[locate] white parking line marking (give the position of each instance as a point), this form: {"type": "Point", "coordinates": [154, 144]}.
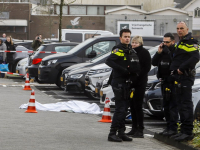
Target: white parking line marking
{"type": "Point", "coordinates": [4, 86]}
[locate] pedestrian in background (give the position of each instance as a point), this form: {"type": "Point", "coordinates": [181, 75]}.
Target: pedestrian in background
{"type": "Point", "coordinates": [37, 42]}
{"type": "Point", "coordinates": [162, 59]}
{"type": "Point", "coordinates": [10, 55]}
{"type": "Point", "coordinates": [4, 37]}
{"type": "Point", "coordinates": [2, 54]}
{"type": "Point", "coordinates": [139, 85]}
{"type": "Point", "coordinates": [183, 70]}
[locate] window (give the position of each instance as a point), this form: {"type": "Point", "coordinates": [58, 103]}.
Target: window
{"type": "Point", "coordinates": [95, 10]}
{"type": "Point", "coordinates": [65, 10]}
{"type": "Point", "coordinates": [20, 29]}
{"type": "Point", "coordinates": [197, 12]}
{"type": "Point", "coordinates": [101, 47]}
{"type": "Point", "coordinates": [77, 10]}
{"type": "Point", "coordinates": [74, 37]}
{"type": "Point", "coordinates": [87, 36]}
{"type": "Point", "coordinates": [63, 48]}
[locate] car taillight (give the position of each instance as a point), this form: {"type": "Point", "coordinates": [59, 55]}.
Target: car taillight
{"type": "Point", "coordinates": [36, 61]}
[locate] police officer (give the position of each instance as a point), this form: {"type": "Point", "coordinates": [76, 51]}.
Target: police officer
{"type": "Point", "coordinates": [163, 59]}
{"type": "Point", "coordinates": [119, 61]}
{"type": "Point", "coordinates": [183, 63]}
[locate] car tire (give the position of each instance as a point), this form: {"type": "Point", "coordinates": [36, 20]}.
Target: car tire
{"type": "Point", "coordinates": [197, 111]}
{"type": "Point", "coordinates": [58, 82]}
{"type": "Point", "coordinates": [92, 95]}
{"type": "Point", "coordinates": [38, 81]}
{"type": "Point", "coordinates": [14, 67]}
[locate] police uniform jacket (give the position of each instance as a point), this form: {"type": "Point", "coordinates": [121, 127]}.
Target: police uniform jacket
{"type": "Point", "coordinates": [186, 54]}
{"type": "Point", "coordinates": [118, 61]}
{"type": "Point", "coordinates": [163, 61]}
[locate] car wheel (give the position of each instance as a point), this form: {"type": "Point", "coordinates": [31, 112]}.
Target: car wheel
{"type": "Point", "coordinates": [14, 67]}
{"type": "Point", "coordinates": [197, 111]}
{"type": "Point", "coordinates": [58, 82]}
{"type": "Point", "coordinates": [38, 81]}
{"type": "Point", "coordinates": [92, 95]}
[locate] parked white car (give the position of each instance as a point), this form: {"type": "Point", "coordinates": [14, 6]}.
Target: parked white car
{"type": "Point", "coordinates": [21, 66]}
{"type": "Point", "coordinates": [101, 71]}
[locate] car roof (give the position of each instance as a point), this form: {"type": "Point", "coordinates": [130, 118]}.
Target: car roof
{"type": "Point", "coordinates": [60, 43]}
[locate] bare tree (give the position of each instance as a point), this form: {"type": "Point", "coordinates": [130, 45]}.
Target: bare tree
{"type": "Point", "coordinates": [61, 13]}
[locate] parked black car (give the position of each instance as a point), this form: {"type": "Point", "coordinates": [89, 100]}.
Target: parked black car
{"type": "Point", "coordinates": [152, 105]}
{"type": "Point", "coordinates": [36, 58]}
{"type": "Point", "coordinates": [51, 67]}
{"type": "Point", "coordinates": [77, 83]}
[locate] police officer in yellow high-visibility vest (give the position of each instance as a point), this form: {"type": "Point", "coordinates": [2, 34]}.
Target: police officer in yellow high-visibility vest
{"type": "Point", "coordinates": [122, 61]}
{"type": "Point", "coordinates": [183, 63]}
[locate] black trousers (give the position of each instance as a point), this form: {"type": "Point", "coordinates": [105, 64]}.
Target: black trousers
{"type": "Point", "coordinates": [136, 106]}
{"type": "Point", "coordinates": [170, 105]}
{"type": "Point", "coordinates": [185, 103]}
{"type": "Point", "coordinates": [121, 106]}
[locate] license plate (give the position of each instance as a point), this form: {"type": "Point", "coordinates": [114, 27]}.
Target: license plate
{"type": "Point", "coordinates": [101, 93]}
{"type": "Point", "coordinates": [38, 71]}
{"type": "Point", "coordinates": [17, 71]}
{"type": "Point", "coordinates": [86, 83]}
{"type": "Point", "coordinates": [96, 90]}
{"type": "Point", "coordinates": [61, 78]}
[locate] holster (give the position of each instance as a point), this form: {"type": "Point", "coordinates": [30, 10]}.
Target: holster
{"type": "Point", "coordinates": [178, 88]}
{"type": "Point", "coordinates": [121, 92]}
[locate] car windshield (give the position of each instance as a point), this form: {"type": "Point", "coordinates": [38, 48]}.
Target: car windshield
{"type": "Point", "coordinates": [153, 50]}
{"type": "Point", "coordinates": [76, 48]}
{"type": "Point", "coordinates": [100, 57]}
{"type": "Point", "coordinates": [40, 49]}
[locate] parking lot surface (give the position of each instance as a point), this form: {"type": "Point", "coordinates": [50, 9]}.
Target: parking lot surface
{"type": "Point", "coordinates": [60, 130]}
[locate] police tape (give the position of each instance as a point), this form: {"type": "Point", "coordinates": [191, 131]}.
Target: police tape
{"type": "Point", "coordinates": [30, 52]}
{"type": "Point", "coordinates": [12, 73]}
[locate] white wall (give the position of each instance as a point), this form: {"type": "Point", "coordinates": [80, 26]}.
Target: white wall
{"type": "Point", "coordinates": [196, 21]}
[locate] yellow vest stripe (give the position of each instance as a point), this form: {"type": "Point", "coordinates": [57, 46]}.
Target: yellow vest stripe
{"type": "Point", "coordinates": [187, 49]}
{"type": "Point", "coordinates": [119, 53]}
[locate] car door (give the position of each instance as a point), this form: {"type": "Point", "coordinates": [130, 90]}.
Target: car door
{"type": "Point", "coordinates": [101, 47]}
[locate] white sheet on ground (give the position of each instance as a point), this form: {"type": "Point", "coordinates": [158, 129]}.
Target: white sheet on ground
{"type": "Point", "coordinates": [71, 106]}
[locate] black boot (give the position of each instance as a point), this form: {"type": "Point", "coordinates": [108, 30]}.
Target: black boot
{"type": "Point", "coordinates": [139, 134]}
{"type": "Point", "coordinates": [132, 132]}
{"type": "Point", "coordinates": [113, 137]}
{"type": "Point", "coordinates": [123, 136]}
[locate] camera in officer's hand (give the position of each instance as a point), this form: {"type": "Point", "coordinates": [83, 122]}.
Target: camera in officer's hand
{"type": "Point", "coordinates": [38, 38]}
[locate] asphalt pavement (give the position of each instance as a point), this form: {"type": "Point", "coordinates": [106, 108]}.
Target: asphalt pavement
{"type": "Point", "coordinates": [58, 130]}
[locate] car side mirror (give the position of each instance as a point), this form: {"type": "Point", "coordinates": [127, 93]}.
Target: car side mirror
{"type": "Point", "coordinates": [92, 54]}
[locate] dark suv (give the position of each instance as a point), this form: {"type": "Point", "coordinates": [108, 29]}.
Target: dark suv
{"type": "Point", "coordinates": [51, 67]}
{"type": "Point", "coordinates": [36, 58]}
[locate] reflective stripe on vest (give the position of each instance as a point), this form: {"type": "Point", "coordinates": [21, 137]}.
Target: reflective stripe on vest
{"type": "Point", "coordinates": [119, 53]}
{"type": "Point", "coordinates": [187, 48]}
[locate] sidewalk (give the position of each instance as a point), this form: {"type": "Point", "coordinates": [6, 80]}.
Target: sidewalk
{"type": "Point", "coordinates": [57, 130]}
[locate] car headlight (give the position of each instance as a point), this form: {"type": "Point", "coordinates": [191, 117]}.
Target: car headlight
{"type": "Point", "coordinates": [66, 75]}
{"type": "Point", "coordinates": [51, 62]}
{"type": "Point", "coordinates": [103, 70]}
{"type": "Point", "coordinates": [23, 63]}
{"type": "Point", "coordinates": [75, 76]}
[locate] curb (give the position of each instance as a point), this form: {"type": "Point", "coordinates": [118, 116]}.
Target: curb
{"type": "Point", "coordinates": [180, 145]}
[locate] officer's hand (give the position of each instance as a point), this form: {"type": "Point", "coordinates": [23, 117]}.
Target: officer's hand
{"type": "Point", "coordinates": [179, 72]}
{"type": "Point", "coordinates": [160, 49]}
